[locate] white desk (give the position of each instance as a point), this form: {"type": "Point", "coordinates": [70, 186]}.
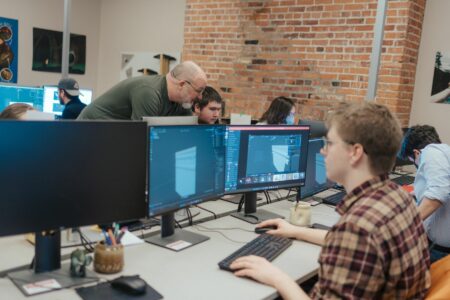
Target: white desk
{"type": "Point", "coordinates": [192, 273]}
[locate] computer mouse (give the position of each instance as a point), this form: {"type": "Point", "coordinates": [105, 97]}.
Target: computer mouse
{"type": "Point", "coordinates": [261, 230]}
{"type": "Point", "coordinates": [132, 285]}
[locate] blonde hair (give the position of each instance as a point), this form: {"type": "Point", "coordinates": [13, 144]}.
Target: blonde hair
{"type": "Point", "coordinates": [374, 127]}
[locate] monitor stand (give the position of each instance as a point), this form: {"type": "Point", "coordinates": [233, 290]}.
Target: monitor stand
{"type": "Point", "coordinates": [48, 274]}
{"type": "Point", "coordinates": [250, 214]}
{"type": "Point", "coordinates": [175, 239]}
{"type": "Point", "coordinates": [236, 198]}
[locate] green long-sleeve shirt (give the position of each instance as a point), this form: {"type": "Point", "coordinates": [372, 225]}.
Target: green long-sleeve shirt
{"type": "Point", "coordinates": [134, 98]}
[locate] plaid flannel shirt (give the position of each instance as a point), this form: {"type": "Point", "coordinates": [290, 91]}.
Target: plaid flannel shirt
{"type": "Point", "coordinates": [377, 250]}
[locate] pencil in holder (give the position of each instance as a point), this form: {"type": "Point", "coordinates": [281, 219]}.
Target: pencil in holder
{"type": "Point", "coordinates": [108, 259]}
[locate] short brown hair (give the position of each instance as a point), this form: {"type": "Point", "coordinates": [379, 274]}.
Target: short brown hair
{"type": "Point", "coordinates": [374, 127]}
{"type": "Point", "coordinates": [15, 111]}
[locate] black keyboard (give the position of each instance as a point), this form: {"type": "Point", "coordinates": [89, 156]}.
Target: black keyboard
{"type": "Point", "coordinates": [265, 245]}
{"type": "Point", "coordinates": [404, 180]}
{"type": "Point", "coordinates": [334, 199]}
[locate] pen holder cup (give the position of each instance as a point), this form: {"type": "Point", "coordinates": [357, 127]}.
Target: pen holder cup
{"type": "Point", "coordinates": [300, 214]}
{"type": "Point", "coordinates": [108, 259]}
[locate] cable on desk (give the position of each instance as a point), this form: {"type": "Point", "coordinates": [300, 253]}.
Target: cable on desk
{"type": "Point", "coordinates": [217, 230]}
{"type": "Point", "coordinates": [207, 210]}
{"type": "Point", "coordinates": [241, 203]}
{"type": "Point", "coordinates": [177, 223]}
{"type": "Point", "coordinates": [268, 198]}
{"type": "Point", "coordinates": [85, 242]}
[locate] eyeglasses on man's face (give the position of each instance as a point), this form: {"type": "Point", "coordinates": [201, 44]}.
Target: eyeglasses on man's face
{"type": "Point", "coordinates": [197, 90]}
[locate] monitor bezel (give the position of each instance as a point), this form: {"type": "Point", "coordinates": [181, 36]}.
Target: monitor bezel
{"type": "Point", "coordinates": [268, 188]}
{"type": "Point", "coordinates": [324, 187]}
{"type": "Point", "coordinates": [173, 209]}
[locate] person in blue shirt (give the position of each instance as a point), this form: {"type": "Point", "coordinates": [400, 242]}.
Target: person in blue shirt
{"type": "Point", "coordinates": [422, 145]}
{"type": "Point", "coordinates": [281, 111]}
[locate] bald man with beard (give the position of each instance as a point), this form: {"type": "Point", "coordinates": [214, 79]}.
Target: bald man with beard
{"type": "Point", "coordinates": [157, 95]}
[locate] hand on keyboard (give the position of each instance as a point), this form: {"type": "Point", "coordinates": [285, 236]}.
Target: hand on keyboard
{"type": "Point", "coordinates": [259, 269]}
{"type": "Point", "coordinates": [283, 228]}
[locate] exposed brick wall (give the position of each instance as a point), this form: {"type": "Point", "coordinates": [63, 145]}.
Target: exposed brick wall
{"type": "Point", "coordinates": [314, 51]}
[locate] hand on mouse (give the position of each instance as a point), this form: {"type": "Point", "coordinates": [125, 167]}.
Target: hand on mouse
{"type": "Point", "coordinates": [283, 228]}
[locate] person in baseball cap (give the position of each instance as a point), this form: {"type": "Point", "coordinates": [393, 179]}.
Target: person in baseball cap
{"type": "Point", "coordinates": [68, 92]}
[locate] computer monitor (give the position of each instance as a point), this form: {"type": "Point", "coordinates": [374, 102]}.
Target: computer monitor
{"type": "Point", "coordinates": [316, 173]}
{"type": "Point", "coordinates": [50, 180]}
{"type": "Point", "coordinates": [317, 128]}
{"type": "Point", "coordinates": [51, 99]}
{"type": "Point", "coordinates": [186, 167]}
{"type": "Point", "coordinates": [263, 158]}
{"type": "Point", "coordinates": [171, 120]}
{"type": "Point", "coordinates": [10, 94]}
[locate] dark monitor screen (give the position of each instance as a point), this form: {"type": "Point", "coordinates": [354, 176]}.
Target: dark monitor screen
{"type": "Point", "coordinates": [316, 173]}
{"type": "Point", "coordinates": [265, 157]}
{"type": "Point", "coordinates": [10, 94]}
{"type": "Point", "coordinates": [317, 128]}
{"type": "Point", "coordinates": [186, 166]}
{"type": "Point", "coordinates": [69, 174]}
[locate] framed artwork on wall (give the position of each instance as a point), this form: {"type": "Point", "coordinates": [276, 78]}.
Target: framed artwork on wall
{"type": "Point", "coordinates": [440, 90]}
{"type": "Point", "coordinates": [47, 51]}
{"type": "Point", "coordinates": [9, 36]}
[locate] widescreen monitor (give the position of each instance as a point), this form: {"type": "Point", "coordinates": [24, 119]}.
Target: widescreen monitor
{"type": "Point", "coordinates": [316, 173]}
{"type": "Point", "coordinates": [263, 158]}
{"type": "Point", "coordinates": [51, 102]}
{"type": "Point", "coordinates": [10, 94]}
{"type": "Point", "coordinates": [68, 174]}
{"type": "Point", "coordinates": [317, 128]}
{"type": "Point", "coordinates": [186, 166]}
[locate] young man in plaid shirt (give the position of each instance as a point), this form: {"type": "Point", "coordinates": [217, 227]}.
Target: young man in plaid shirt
{"type": "Point", "coordinates": [378, 249]}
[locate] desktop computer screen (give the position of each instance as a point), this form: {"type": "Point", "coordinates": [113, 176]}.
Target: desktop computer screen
{"type": "Point", "coordinates": [265, 157]}
{"type": "Point", "coordinates": [51, 99]}
{"type": "Point", "coordinates": [10, 94]}
{"type": "Point", "coordinates": [49, 179]}
{"type": "Point", "coordinates": [186, 167]}
{"type": "Point", "coordinates": [317, 128]}
{"type": "Point", "coordinates": [262, 158]}
{"type": "Point", "coordinates": [316, 173]}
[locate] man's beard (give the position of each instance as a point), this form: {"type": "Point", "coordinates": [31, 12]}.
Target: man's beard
{"type": "Point", "coordinates": [187, 105]}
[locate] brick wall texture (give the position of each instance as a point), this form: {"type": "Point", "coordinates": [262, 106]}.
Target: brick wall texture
{"type": "Point", "coordinates": [314, 51]}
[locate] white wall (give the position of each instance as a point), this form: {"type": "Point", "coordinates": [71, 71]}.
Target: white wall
{"type": "Point", "coordinates": [49, 14]}
{"type": "Point", "coordinates": [136, 26]}
{"type": "Point", "coordinates": [111, 27]}
{"type": "Point", "coordinates": [435, 37]}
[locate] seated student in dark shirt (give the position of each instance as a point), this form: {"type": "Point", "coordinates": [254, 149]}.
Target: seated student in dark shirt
{"type": "Point", "coordinates": [68, 92]}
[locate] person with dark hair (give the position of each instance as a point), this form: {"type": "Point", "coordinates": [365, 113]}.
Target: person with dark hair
{"type": "Point", "coordinates": [15, 111]}
{"type": "Point", "coordinates": [423, 147]}
{"type": "Point", "coordinates": [209, 107]}
{"type": "Point", "coordinates": [68, 93]}
{"type": "Point", "coordinates": [281, 111]}
{"type": "Point", "coordinates": [378, 248]}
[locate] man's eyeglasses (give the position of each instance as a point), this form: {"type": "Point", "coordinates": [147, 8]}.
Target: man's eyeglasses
{"type": "Point", "coordinates": [327, 143]}
{"type": "Point", "coordinates": [197, 90]}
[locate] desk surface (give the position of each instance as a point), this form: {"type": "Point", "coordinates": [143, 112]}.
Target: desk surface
{"type": "Point", "coordinates": [192, 273]}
